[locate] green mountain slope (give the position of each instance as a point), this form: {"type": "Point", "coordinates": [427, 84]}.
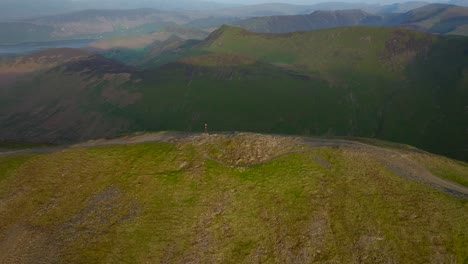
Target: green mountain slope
{"type": "Point", "coordinates": [228, 199]}
{"type": "Point", "coordinates": [67, 102]}
{"type": "Point", "coordinates": [394, 84]}
{"type": "Point", "coordinates": [390, 79]}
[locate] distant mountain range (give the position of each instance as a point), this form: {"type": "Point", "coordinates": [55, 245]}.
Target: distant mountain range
{"type": "Point", "coordinates": [23, 9]}
{"type": "Point", "coordinates": [433, 18]}
{"type": "Point", "coordinates": [313, 21]}
{"type": "Point", "coordinates": [99, 24]}
{"type": "Point", "coordinates": [288, 9]}
{"type": "Point", "coordinates": [90, 24]}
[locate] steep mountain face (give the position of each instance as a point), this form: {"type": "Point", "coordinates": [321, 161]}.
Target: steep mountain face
{"type": "Point", "coordinates": [240, 198]}
{"type": "Point", "coordinates": [395, 84]}
{"type": "Point", "coordinates": [12, 68]}
{"type": "Point", "coordinates": [65, 99]}
{"type": "Point", "coordinates": [313, 21]}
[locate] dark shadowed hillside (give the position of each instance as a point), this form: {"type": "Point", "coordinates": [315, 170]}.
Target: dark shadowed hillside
{"type": "Point", "coordinates": [66, 99]}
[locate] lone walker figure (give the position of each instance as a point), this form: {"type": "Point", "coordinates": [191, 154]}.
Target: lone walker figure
{"type": "Point", "coordinates": [206, 129]}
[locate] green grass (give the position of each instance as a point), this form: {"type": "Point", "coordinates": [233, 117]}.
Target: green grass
{"type": "Point", "coordinates": [158, 202]}
{"type": "Point", "coordinates": [9, 166]}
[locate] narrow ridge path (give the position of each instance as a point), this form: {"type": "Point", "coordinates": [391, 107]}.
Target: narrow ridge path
{"type": "Point", "coordinates": [393, 160]}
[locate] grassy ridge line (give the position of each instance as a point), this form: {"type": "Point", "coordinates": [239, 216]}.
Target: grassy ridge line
{"type": "Point", "coordinates": [393, 156]}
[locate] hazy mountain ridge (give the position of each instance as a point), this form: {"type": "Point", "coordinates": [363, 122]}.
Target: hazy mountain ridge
{"type": "Point", "coordinates": [24, 9]}
{"type": "Point", "coordinates": [313, 21]}
{"type": "Point", "coordinates": [437, 18]}
{"type": "Point", "coordinates": [433, 18]}
{"type": "Point", "coordinates": [91, 24]}
{"type": "Point", "coordinates": [96, 24]}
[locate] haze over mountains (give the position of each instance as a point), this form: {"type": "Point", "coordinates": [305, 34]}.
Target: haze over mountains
{"type": "Point", "coordinates": [99, 24]}
{"type": "Point", "coordinates": [23, 9]}
{"type": "Point", "coordinates": [434, 18]}
{"type": "Point", "coordinates": [20, 9]}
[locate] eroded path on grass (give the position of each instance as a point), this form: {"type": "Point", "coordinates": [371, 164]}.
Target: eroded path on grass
{"type": "Point", "coordinates": [399, 163]}
{"type": "Point", "coordinates": [394, 160]}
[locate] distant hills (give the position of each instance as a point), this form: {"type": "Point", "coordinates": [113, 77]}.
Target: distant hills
{"type": "Point", "coordinates": [388, 83]}
{"type": "Point", "coordinates": [316, 20]}
{"type": "Point", "coordinates": [25, 9]}
{"type": "Point", "coordinates": [433, 18]}
{"type": "Point", "coordinates": [89, 24]}
{"type": "Point", "coordinates": [458, 2]}
{"type": "Point", "coordinates": [436, 18]}
{"type": "Point", "coordinates": [109, 23]}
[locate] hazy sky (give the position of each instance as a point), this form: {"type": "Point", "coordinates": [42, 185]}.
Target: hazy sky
{"type": "Point", "coordinates": [172, 2]}
{"type": "Point", "coordinates": [244, 2]}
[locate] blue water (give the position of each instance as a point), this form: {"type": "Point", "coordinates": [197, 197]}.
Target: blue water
{"type": "Point", "coordinates": [37, 46]}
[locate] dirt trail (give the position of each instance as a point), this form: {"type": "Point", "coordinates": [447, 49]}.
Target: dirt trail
{"type": "Point", "coordinates": [394, 160]}
{"type": "Point", "coordinates": [398, 162]}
